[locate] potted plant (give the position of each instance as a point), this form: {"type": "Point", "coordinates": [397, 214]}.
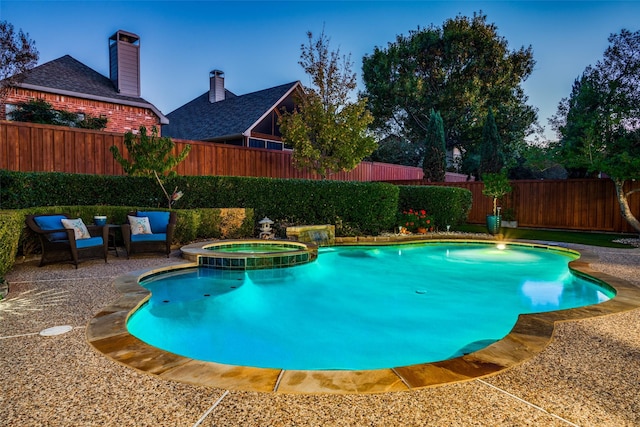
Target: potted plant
{"type": "Point", "coordinates": [496, 185]}
{"type": "Point", "coordinates": [509, 218]}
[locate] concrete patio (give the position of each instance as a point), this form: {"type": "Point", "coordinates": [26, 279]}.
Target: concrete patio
{"type": "Point", "coordinates": [589, 375]}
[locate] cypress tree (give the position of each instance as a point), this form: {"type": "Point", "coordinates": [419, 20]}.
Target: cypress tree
{"type": "Point", "coordinates": [434, 163]}
{"type": "Point", "coordinates": [491, 156]}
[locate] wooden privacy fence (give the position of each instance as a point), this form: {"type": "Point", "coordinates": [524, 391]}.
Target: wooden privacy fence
{"type": "Point", "coordinates": [30, 147]}
{"type": "Point", "coordinates": [574, 204]}
{"type": "Point", "coordinates": [588, 204]}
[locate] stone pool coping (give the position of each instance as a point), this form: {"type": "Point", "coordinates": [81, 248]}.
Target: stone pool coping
{"type": "Point", "coordinates": [108, 334]}
{"type": "Point", "coordinates": [204, 254]}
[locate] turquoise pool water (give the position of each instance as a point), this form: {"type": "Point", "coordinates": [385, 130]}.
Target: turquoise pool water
{"type": "Point", "coordinates": [359, 307]}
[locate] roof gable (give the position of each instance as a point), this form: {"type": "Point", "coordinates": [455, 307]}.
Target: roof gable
{"type": "Point", "coordinates": [200, 119]}
{"type": "Point", "coordinates": [69, 76]}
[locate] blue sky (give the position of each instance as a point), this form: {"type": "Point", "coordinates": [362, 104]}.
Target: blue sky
{"type": "Point", "coordinates": [257, 43]}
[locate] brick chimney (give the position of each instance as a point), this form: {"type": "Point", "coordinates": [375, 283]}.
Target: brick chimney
{"type": "Point", "coordinates": [216, 86]}
{"type": "Point", "coordinates": [124, 63]}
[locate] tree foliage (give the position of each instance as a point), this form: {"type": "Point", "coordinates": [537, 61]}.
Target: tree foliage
{"type": "Point", "coordinates": [328, 132]}
{"type": "Point", "coordinates": [40, 111]}
{"type": "Point", "coordinates": [599, 124]}
{"type": "Point", "coordinates": [151, 156]}
{"type": "Point", "coordinates": [18, 54]}
{"type": "Point", "coordinates": [398, 151]}
{"type": "Point", "coordinates": [434, 163]}
{"type": "Point", "coordinates": [496, 185]}
{"type": "Point", "coordinates": [491, 156]}
{"type": "Point", "coordinates": [460, 69]}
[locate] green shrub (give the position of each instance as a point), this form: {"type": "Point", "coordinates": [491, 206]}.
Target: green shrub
{"type": "Point", "coordinates": [20, 190]}
{"type": "Point", "coordinates": [10, 225]}
{"type": "Point", "coordinates": [355, 207]}
{"type": "Point", "coordinates": [40, 111]}
{"type": "Point", "coordinates": [448, 205]}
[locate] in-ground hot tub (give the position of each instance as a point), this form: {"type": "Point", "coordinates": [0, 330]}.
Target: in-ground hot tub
{"type": "Point", "coordinates": [250, 254]}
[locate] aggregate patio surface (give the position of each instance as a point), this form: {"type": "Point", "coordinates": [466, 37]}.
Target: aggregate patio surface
{"type": "Point", "coordinates": [589, 375]}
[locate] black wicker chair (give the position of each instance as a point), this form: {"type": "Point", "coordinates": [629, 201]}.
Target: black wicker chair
{"type": "Point", "coordinates": [60, 244]}
{"type": "Point", "coordinates": [163, 225]}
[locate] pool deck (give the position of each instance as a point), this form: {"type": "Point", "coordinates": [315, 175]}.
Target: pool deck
{"type": "Point", "coordinates": [587, 375]}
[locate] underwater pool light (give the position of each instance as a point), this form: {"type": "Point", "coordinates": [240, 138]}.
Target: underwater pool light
{"type": "Point", "coordinates": [501, 246]}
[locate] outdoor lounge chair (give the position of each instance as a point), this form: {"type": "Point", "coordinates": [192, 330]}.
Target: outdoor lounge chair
{"type": "Point", "coordinates": [148, 231]}
{"type": "Point", "coordinates": [66, 244]}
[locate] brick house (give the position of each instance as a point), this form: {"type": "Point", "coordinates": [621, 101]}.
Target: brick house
{"type": "Point", "coordinates": [220, 116]}
{"type": "Point", "coordinates": [68, 84]}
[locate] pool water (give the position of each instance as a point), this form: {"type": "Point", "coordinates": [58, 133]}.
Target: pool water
{"type": "Point", "coordinates": [359, 307]}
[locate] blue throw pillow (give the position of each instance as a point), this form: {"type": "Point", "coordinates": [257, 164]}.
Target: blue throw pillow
{"type": "Point", "coordinates": [157, 219]}
{"type": "Point", "coordinates": [52, 222]}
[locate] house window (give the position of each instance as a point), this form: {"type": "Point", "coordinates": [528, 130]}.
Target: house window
{"type": "Point", "coordinates": [262, 143]}
{"type": "Point", "coordinates": [8, 109]}
{"type": "Point", "coordinates": [272, 145]}
{"type": "Point", "coordinates": [256, 143]}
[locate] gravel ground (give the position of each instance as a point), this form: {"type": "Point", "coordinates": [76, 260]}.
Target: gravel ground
{"type": "Point", "coordinates": [588, 376]}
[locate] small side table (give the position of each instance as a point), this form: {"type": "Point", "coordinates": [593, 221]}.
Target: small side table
{"type": "Point", "coordinates": [111, 244]}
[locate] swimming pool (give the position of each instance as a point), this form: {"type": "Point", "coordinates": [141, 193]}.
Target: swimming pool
{"type": "Point", "coordinates": [326, 315]}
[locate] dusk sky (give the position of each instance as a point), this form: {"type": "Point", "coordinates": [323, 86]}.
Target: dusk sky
{"type": "Point", "coordinates": [257, 43]}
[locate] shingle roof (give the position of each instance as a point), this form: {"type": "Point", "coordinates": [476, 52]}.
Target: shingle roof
{"type": "Point", "coordinates": [66, 74]}
{"type": "Point", "coordinates": [200, 119]}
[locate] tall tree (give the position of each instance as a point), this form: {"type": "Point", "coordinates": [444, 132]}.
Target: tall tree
{"type": "Point", "coordinates": [434, 163]}
{"type": "Point", "coordinates": [18, 54]}
{"type": "Point", "coordinates": [151, 156]}
{"type": "Point", "coordinates": [460, 69]}
{"type": "Point", "coordinates": [328, 132]}
{"type": "Point", "coordinates": [599, 124]}
{"type": "Point", "coordinates": [491, 156]}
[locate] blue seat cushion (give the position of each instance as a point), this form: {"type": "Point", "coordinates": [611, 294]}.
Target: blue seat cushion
{"type": "Point", "coordinates": [158, 220]}
{"type": "Point", "coordinates": [52, 222]}
{"type": "Point", "coordinates": [87, 243]}
{"type": "Point", "coordinates": [156, 237]}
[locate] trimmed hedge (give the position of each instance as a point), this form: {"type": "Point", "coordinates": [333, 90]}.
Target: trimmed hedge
{"type": "Point", "coordinates": [10, 223]}
{"type": "Point", "coordinates": [354, 207]}
{"type": "Point", "coordinates": [19, 190]}
{"type": "Point", "coordinates": [448, 205]}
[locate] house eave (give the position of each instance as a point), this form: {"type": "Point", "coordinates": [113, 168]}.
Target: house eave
{"type": "Point", "coordinates": [163, 119]}
{"type": "Point", "coordinates": [297, 84]}
{"type": "Point", "coordinates": [224, 137]}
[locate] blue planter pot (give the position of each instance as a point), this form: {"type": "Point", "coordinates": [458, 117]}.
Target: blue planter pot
{"type": "Point", "coordinates": [493, 224]}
